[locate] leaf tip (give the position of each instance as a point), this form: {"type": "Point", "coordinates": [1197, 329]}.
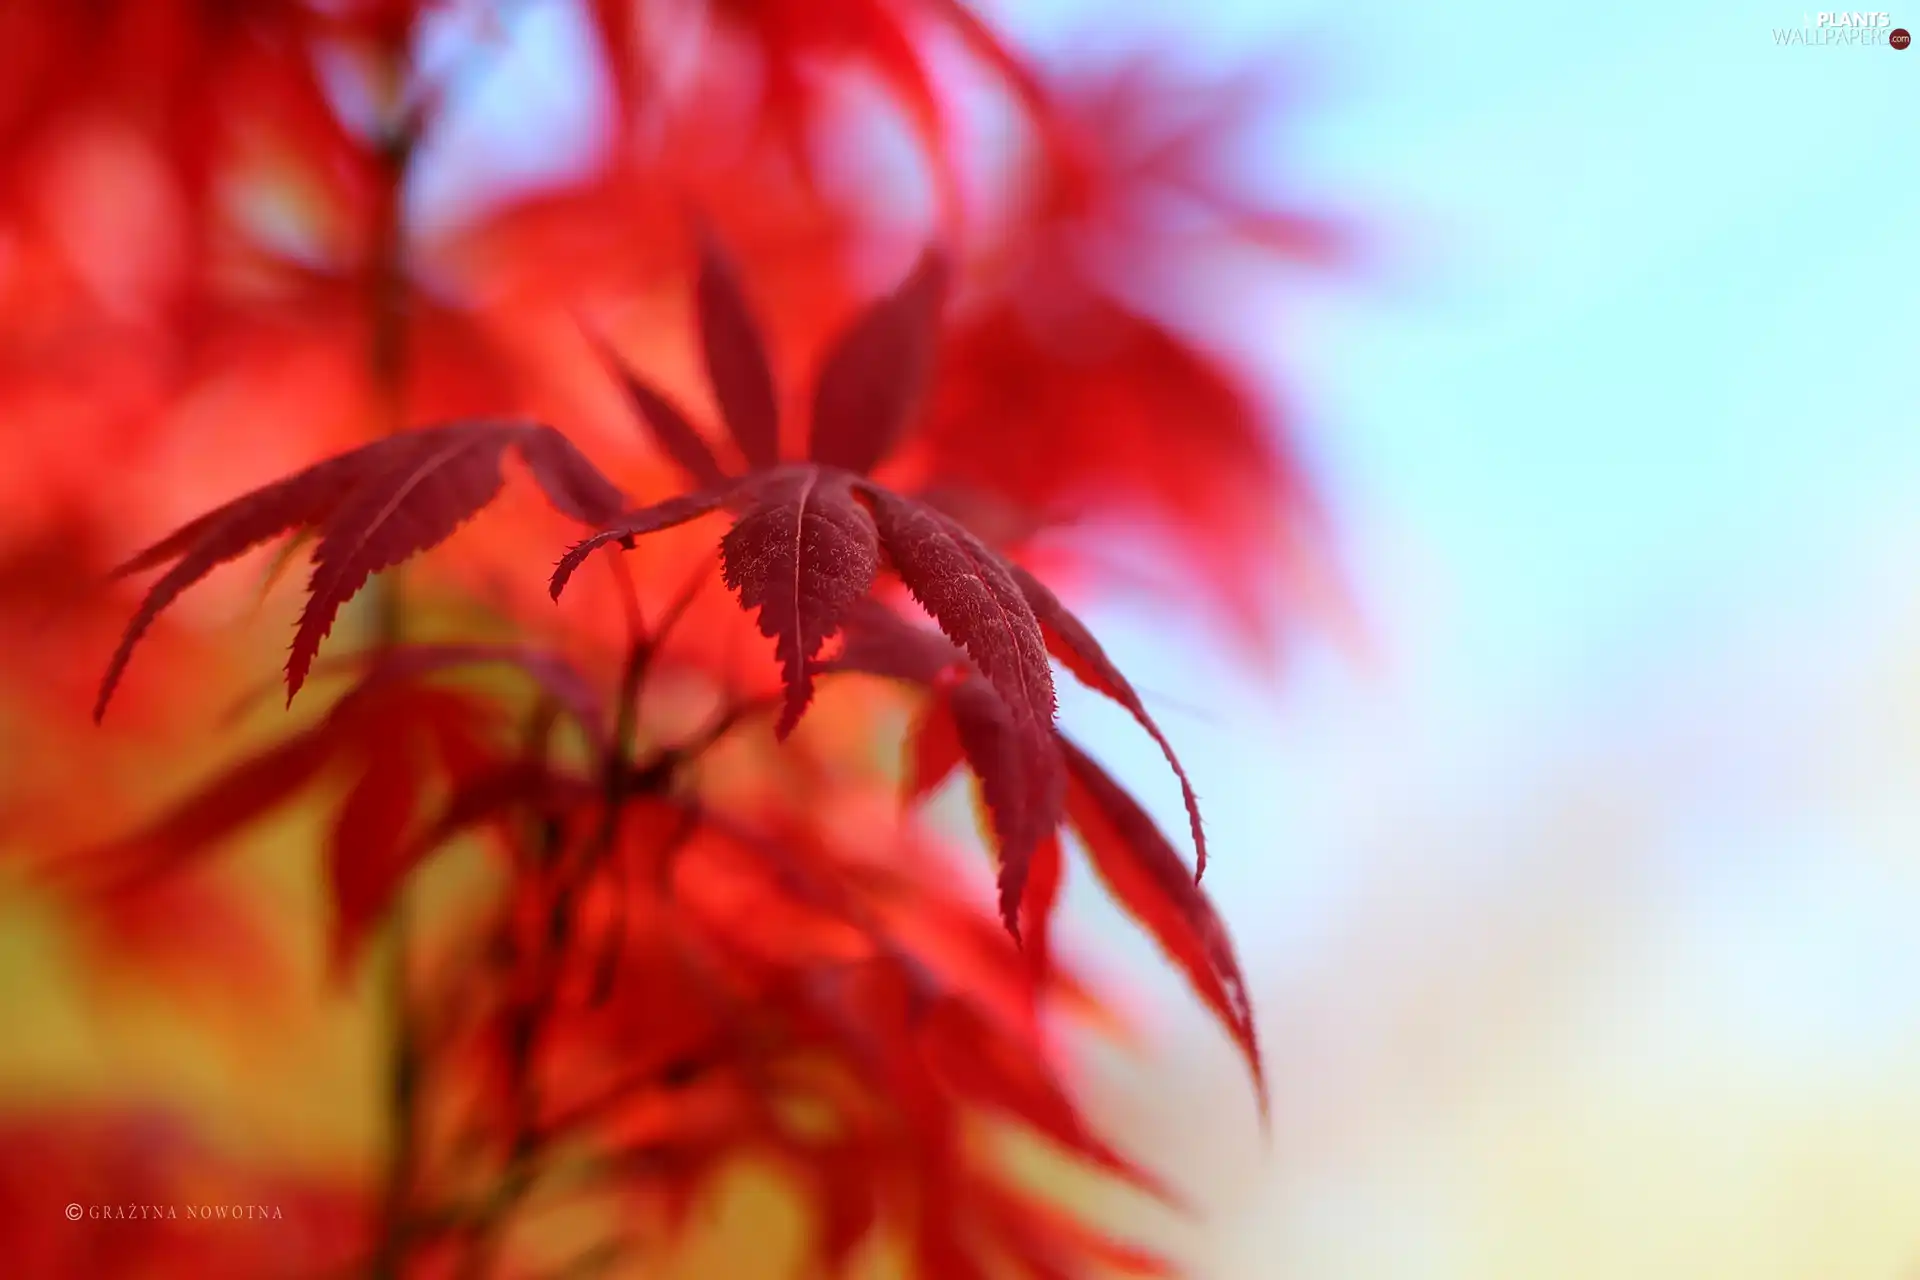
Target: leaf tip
{"type": "Point", "coordinates": [105, 695]}
{"type": "Point", "coordinates": [296, 674]}
{"type": "Point", "coordinates": [1013, 890]}
{"type": "Point", "coordinates": [1010, 918]}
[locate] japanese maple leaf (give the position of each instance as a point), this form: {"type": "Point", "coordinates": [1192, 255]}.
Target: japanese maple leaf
{"type": "Point", "coordinates": [975, 726]}
{"type": "Point", "coordinates": [809, 538]}
{"type": "Point", "coordinates": [369, 509]}
{"type": "Point", "coordinates": [967, 721]}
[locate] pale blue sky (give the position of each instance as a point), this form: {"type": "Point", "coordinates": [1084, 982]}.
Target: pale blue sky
{"type": "Point", "coordinates": [1622, 448]}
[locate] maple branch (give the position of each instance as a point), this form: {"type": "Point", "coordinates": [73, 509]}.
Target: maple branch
{"type": "Point", "coordinates": [616, 942]}
{"type": "Point", "coordinates": [387, 281]}
{"type": "Point", "coordinates": [527, 1021]}
{"type": "Point", "coordinates": [729, 719]}
{"type": "Point", "coordinates": [403, 1087]}
{"type": "Point", "coordinates": [524, 1023]}
{"type": "Point", "coordinates": [624, 778]}
{"type": "Point", "coordinates": [644, 647]}
{"type": "Point", "coordinates": [387, 354]}
{"type": "Point", "coordinates": [626, 727]}
{"type": "Point", "coordinates": [676, 1074]}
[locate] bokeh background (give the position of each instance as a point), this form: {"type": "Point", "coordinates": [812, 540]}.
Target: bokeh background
{"type": "Point", "coordinates": [1574, 845]}
{"type": "Point", "coordinates": [1583, 898]}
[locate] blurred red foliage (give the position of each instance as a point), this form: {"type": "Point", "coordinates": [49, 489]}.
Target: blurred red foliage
{"type": "Point", "coordinates": [220, 266]}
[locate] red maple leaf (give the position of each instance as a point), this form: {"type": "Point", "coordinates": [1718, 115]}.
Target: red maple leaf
{"type": "Point", "coordinates": [370, 508]}
{"type": "Point", "coordinates": [809, 538]}
{"type": "Point", "coordinates": [967, 720]}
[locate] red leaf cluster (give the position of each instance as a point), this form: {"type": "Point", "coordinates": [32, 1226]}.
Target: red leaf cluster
{"type": "Point", "coordinates": [808, 540]}
{"type": "Point", "coordinates": [775, 999]}
{"type": "Point", "coordinates": [698, 948]}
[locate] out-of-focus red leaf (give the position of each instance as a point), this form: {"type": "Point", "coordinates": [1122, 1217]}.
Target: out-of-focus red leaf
{"type": "Point", "coordinates": [396, 737]}
{"type": "Point", "coordinates": [135, 935]}
{"type": "Point", "coordinates": [52, 613]}
{"type": "Point", "coordinates": [1065, 392]}
{"type": "Point", "coordinates": [1140, 141]}
{"type": "Point", "coordinates": [1058, 1247]}
{"type": "Point", "coordinates": [731, 1023]}
{"type": "Point", "coordinates": [791, 34]}
{"type": "Point", "coordinates": [677, 437]}
{"type": "Point", "coordinates": [217, 811]}
{"type": "Point", "coordinates": [934, 749]}
{"type": "Point", "coordinates": [893, 997]}
{"type": "Point", "coordinates": [1061, 404]}
{"type": "Point", "coordinates": [872, 378]}
{"type": "Point", "coordinates": [990, 1071]}
{"type": "Point", "coordinates": [365, 859]}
